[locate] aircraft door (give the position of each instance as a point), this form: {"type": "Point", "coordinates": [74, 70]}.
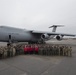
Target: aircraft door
{"type": "Point", "coordinates": [10, 37]}
{"type": "Point", "coordinates": [10, 40]}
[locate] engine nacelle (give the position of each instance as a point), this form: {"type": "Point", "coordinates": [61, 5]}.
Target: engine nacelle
{"type": "Point", "coordinates": [45, 36]}
{"type": "Point", "coordinates": [59, 37]}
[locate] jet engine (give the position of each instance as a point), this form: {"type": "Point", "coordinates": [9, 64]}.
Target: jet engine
{"type": "Point", "coordinates": [59, 37]}
{"type": "Point", "coordinates": [45, 36]}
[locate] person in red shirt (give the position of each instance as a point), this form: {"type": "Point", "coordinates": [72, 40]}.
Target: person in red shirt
{"type": "Point", "coordinates": [36, 49]}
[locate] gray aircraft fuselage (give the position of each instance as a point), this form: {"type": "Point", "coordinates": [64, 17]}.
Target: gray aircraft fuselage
{"type": "Point", "coordinates": [11, 34]}
{"type": "Point", "coordinates": [17, 35]}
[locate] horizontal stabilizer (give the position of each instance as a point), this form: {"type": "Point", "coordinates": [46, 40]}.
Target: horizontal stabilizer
{"type": "Point", "coordinates": [56, 26]}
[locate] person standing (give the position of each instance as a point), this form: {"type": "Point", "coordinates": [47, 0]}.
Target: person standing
{"type": "Point", "coordinates": [1, 52]}
{"type": "Point", "coordinates": [36, 49]}
{"type": "Point", "coordinates": [5, 52]}
{"type": "Point", "coordinates": [70, 51]}
{"type": "Point", "coordinates": [13, 51]}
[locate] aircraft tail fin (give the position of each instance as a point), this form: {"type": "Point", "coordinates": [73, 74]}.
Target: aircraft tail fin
{"type": "Point", "coordinates": [55, 26]}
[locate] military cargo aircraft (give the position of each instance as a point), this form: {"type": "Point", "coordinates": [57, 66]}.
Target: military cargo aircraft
{"type": "Point", "coordinates": [11, 35]}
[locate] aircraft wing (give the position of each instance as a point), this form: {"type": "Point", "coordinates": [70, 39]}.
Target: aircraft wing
{"type": "Point", "coordinates": [52, 33]}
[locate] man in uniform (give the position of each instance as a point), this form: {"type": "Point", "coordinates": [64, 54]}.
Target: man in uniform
{"type": "Point", "coordinates": [70, 51]}
{"type": "Point", "coordinates": [42, 48]}
{"type": "Point", "coordinates": [39, 49]}
{"type": "Point", "coordinates": [13, 51]}
{"type": "Point", "coordinates": [5, 52]}
{"type": "Point", "coordinates": [54, 50]}
{"type": "Point", "coordinates": [48, 50]}
{"type": "Point", "coordinates": [1, 52]}
{"type": "Point", "coordinates": [17, 50]}
{"type": "Point", "coordinates": [59, 50]}
{"type": "Point", "coordinates": [64, 50]}
{"type": "Point", "coordinates": [9, 50]}
{"type": "Point", "coordinates": [45, 48]}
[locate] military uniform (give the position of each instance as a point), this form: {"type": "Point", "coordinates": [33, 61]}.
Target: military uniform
{"type": "Point", "coordinates": [48, 50]}
{"type": "Point", "coordinates": [21, 50]}
{"type": "Point", "coordinates": [9, 52]}
{"type": "Point", "coordinates": [54, 50]}
{"type": "Point", "coordinates": [63, 51]}
{"type": "Point", "coordinates": [42, 50]}
{"type": "Point", "coordinates": [70, 51]}
{"type": "Point", "coordinates": [39, 50]}
{"type": "Point", "coordinates": [13, 51]}
{"type": "Point", "coordinates": [5, 52]}
{"type": "Point", "coordinates": [17, 50]}
{"type": "Point", "coordinates": [66, 51]}
{"type": "Point", "coordinates": [58, 50]}
{"type": "Point", "coordinates": [1, 52]}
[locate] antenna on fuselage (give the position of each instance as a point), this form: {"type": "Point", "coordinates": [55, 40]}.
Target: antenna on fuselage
{"type": "Point", "coordinates": [55, 26]}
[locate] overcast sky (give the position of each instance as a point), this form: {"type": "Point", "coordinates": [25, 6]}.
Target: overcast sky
{"type": "Point", "coordinates": [39, 14]}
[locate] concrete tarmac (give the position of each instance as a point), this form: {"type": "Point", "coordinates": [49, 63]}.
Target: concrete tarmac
{"type": "Point", "coordinates": [41, 65]}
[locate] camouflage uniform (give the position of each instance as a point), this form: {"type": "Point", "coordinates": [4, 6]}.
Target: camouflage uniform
{"type": "Point", "coordinates": [1, 52]}
{"type": "Point", "coordinates": [17, 50]}
{"type": "Point", "coordinates": [39, 52]}
{"type": "Point", "coordinates": [9, 51]}
{"type": "Point", "coordinates": [13, 51]}
{"type": "Point", "coordinates": [45, 50]}
{"type": "Point", "coordinates": [48, 50]}
{"type": "Point", "coordinates": [21, 50]}
{"type": "Point", "coordinates": [5, 52]}
{"type": "Point", "coordinates": [42, 50]}
{"type": "Point", "coordinates": [56, 53]}
{"type": "Point", "coordinates": [58, 50]}
{"type": "Point", "coordinates": [70, 51]}
{"type": "Point", "coordinates": [66, 51]}
{"type": "Point", "coordinates": [61, 50]}
{"type": "Point", "coordinates": [54, 50]}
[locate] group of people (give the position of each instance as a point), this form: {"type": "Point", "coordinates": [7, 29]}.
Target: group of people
{"type": "Point", "coordinates": [7, 51]}
{"type": "Point", "coordinates": [47, 49]}
{"type": "Point", "coordinates": [40, 49]}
